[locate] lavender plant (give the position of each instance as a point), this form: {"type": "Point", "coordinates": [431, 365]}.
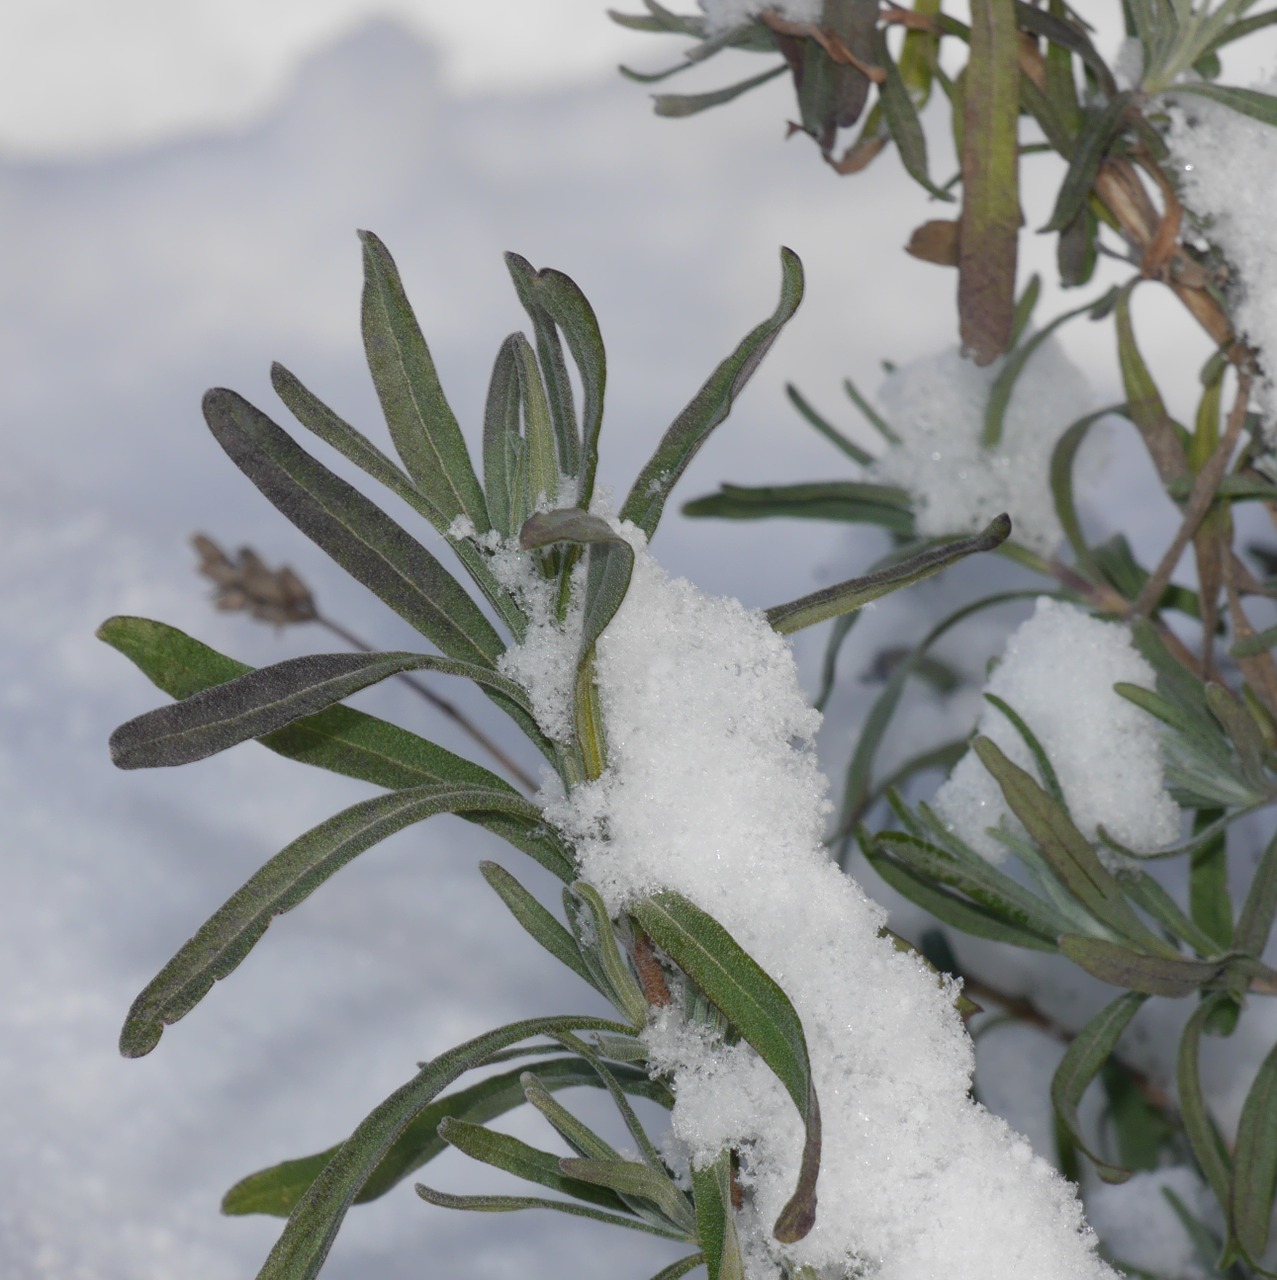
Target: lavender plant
{"type": "Point", "coordinates": [1048, 831]}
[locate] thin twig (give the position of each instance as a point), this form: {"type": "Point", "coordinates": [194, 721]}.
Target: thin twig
{"type": "Point", "coordinates": [1205, 486]}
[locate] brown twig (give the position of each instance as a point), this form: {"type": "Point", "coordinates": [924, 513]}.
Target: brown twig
{"type": "Point", "coordinates": [1205, 486]}
{"type": "Point", "coordinates": [280, 597]}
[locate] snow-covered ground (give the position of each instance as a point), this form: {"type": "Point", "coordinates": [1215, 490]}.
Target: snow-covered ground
{"type": "Point", "coordinates": [135, 282]}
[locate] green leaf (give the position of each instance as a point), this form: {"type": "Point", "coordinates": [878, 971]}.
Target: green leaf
{"type": "Point", "coordinates": [340, 739]}
{"type": "Point", "coordinates": [829, 665]}
{"type": "Point", "coordinates": [1143, 399]}
{"type": "Point", "coordinates": [1155, 975]}
{"type": "Point", "coordinates": [503, 444]}
{"type": "Point", "coordinates": [622, 987]}
{"type": "Point", "coordinates": [1254, 1183]}
{"type": "Point", "coordinates": [527, 1162]}
{"type": "Point", "coordinates": [1246, 102]}
{"type": "Point", "coordinates": [301, 1249]}
{"type": "Point", "coordinates": [1036, 750]}
{"type": "Point", "coordinates": [829, 602]}
{"type": "Point", "coordinates": [688, 104]}
{"type": "Point", "coordinates": [1209, 903]}
{"type": "Point", "coordinates": [539, 922]}
{"type": "Point", "coordinates": [1081, 1063]}
{"type": "Point", "coordinates": [540, 463]}
{"type": "Point", "coordinates": [286, 880]}
{"type": "Point", "coordinates": [633, 1180]}
{"type": "Point", "coordinates": [261, 701]}
{"type": "Point", "coordinates": [826, 428]}
{"type": "Point", "coordinates": [977, 879]}
{"type": "Point", "coordinates": [871, 415]}
{"type": "Point", "coordinates": [610, 565]}
{"type": "Point", "coordinates": [318, 418]}
{"type": "Point", "coordinates": [857, 502]}
{"type": "Point", "coordinates": [680, 1268]}
{"type": "Point", "coordinates": [1208, 1147]}
{"type": "Point", "coordinates": [553, 300]}
{"type": "Point", "coordinates": [1062, 458]}
{"type": "Point", "coordinates": [1004, 385]}
{"type": "Point", "coordinates": [1254, 645]}
{"type": "Point", "coordinates": [1068, 853]}
{"type": "Point", "coordinates": [990, 222]}
{"type": "Point", "coordinates": [1255, 922]}
{"type": "Point", "coordinates": [715, 1221]}
{"type": "Point", "coordinates": [1149, 895]}
{"type": "Point", "coordinates": [1068, 35]}
{"type": "Point", "coordinates": [1099, 128]}
{"type": "Point", "coordinates": [709, 406]}
{"type": "Point", "coordinates": [276, 1190]}
{"type": "Point", "coordinates": [902, 118]}
{"type": "Point", "coordinates": [762, 1014]}
{"type": "Point", "coordinates": [970, 917]}
{"type": "Point", "coordinates": [421, 424]}
{"type": "Point", "coordinates": [365, 541]}
{"type": "Point", "coordinates": [509, 1204]}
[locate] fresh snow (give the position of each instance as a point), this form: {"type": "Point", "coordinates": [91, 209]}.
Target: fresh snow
{"type": "Point", "coordinates": [1226, 161]}
{"type": "Point", "coordinates": [1057, 673]}
{"type": "Point", "coordinates": [936, 406]}
{"type": "Point", "coordinates": [713, 790]}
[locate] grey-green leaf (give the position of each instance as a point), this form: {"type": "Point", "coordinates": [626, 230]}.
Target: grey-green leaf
{"type": "Point", "coordinates": [1254, 1182]}
{"type": "Point", "coordinates": [267, 699]}
{"type": "Point", "coordinates": [423, 427]}
{"type": "Point", "coordinates": [1089, 1051]}
{"type": "Point", "coordinates": [853, 501]}
{"type": "Point", "coordinates": [301, 1249]}
{"type": "Point", "coordinates": [503, 441]}
{"type": "Point", "coordinates": [710, 405]}
{"type": "Point", "coordinates": [356, 533]}
{"type": "Point", "coordinates": [1154, 975]}
{"type": "Point", "coordinates": [759, 1010]}
{"type": "Point", "coordinates": [286, 880]}
{"type": "Point", "coordinates": [829, 602]}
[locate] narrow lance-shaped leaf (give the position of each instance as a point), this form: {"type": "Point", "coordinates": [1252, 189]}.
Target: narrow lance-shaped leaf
{"type": "Point", "coordinates": [688, 104]}
{"type": "Point", "coordinates": [1246, 102]}
{"type": "Point", "coordinates": [635, 1180]}
{"type": "Point", "coordinates": [318, 418]}
{"type": "Point", "coordinates": [509, 1154]}
{"type": "Point", "coordinates": [267, 699]}
{"type": "Point", "coordinates": [1254, 1183]}
{"type": "Point", "coordinates": [1099, 126]}
{"type": "Point", "coordinates": [539, 922]}
{"type": "Point", "coordinates": [990, 182]}
{"type": "Point", "coordinates": [709, 406]}
{"type": "Point", "coordinates": [902, 118]}
{"type": "Point", "coordinates": [826, 428]}
{"type": "Point", "coordinates": [341, 739]}
{"type": "Point", "coordinates": [1062, 459]}
{"type": "Point", "coordinates": [276, 1190]}
{"type": "Point", "coordinates": [1256, 919]}
{"type": "Point", "coordinates": [421, 423]}
{"type": "Point", "coordinates": [715, 1222]}
{"type": "Point", "coordinates": [625, 990]}
{"type": "Point", "coordinates": [503, 441]}
{"type": "Point", "coordinates": [829, 602]}
{"type": "Point", "coordinates": [356, 533]}
{"type": "Point", "coordinates": [512, 1204]}
{"type": "Point", "coordinates": [1155, 975]}
{"type": "Point", "coordinates": [1204, 1139]}
{"type": "Point", "coordinates": [301, 1249]}
{"type": "Point", "coordinates": [540, 469]}
{"type": "Point", "coordinates": [762, 1014]}
{"type": "Point", "coordinates": [610, 566]}
{"type": "Point", "coordinates": [1068, 852]}
{"type": "Point", "coordinates": [1089, 1051]}
{"type": "Point", "coordinates": [853, 501]}
{"type": "Point", "coordinates": [286, 880]}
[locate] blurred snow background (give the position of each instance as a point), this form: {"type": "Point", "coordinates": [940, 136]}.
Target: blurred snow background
{"type": "Point", "coordinates": [180, 184]}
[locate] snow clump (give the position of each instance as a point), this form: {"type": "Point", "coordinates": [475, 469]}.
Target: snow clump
{"type": "Point", "coordinates": [723, 15]}
{"type": "Point", "coordinates": [1057, 674]}
{"type": "Point", "coordinates": [713, 790]}
{"type": "Point", "coordinates": [1226, 162]}
{"type": "Point", "coordinates": [936, 406]}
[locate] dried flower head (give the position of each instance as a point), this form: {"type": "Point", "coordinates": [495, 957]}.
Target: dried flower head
{"type": "Point", "coordinates": [277, 596]}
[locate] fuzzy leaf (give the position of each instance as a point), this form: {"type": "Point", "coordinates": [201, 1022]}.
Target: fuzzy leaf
{"type": "Point", "coordinates": [1155, 975]}
{"type": "Point", "coordinates": [276, 1190]}
{"type": "Point", "coordinates": [855, 502]}
{"type": "Point", "coordinates": [1255, 922]}
{"type": "Point", "coordinates": [1246, 102]}
{"type": "Point", "coordinates": [688, 104]}
{"type": "Point", "coordinates": [421, 424]}
{"type": "Point", "coordinates": [634, 1180]}
{"type": "Point", "coordinates": [261, 701]}
{"type": "Point", "coordinates": [759, 1010]}
{"type": "Point", "coordinates": [365, 541]}
{"type": "Point", "coordinates": [1099, 127]}
{"type": "Point", "coordinates": [715, 1220]}
{"type": "Point", "coordinates": [503, 441]}
{"type": "Point", "coordinates": [622, 987]}
{"type": "Point", "coordinates": [301, 1249]}
{"type": "Point", "coordinates": [902, 118]}
{"type": "Point", "coordinates": [286, 880]}
{"type": "Point", "coordinates": [710, 406]}
{"type": "Point", "coordinates": [829, 602]}
{"type": "Point", "coordinates": [826, 428]}
{"type": "Point", "coordinates": [1207, 1146]}
{"type": "Point", "coordinates": [1254, 1184]}
{"type": "Point", "coordinates": [1080, 1065]}
{"type": "Point", "coordinates": [510, 1204]}
{"type": "Point", "coordinates": [990, 221]}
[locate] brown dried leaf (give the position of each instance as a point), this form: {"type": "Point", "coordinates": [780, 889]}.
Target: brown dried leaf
{"type": "Point", "coordinates": [935, 241]}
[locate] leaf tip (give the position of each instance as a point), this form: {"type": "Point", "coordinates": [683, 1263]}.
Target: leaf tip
{"type": "Point", "coordinates": [139, 1036]}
